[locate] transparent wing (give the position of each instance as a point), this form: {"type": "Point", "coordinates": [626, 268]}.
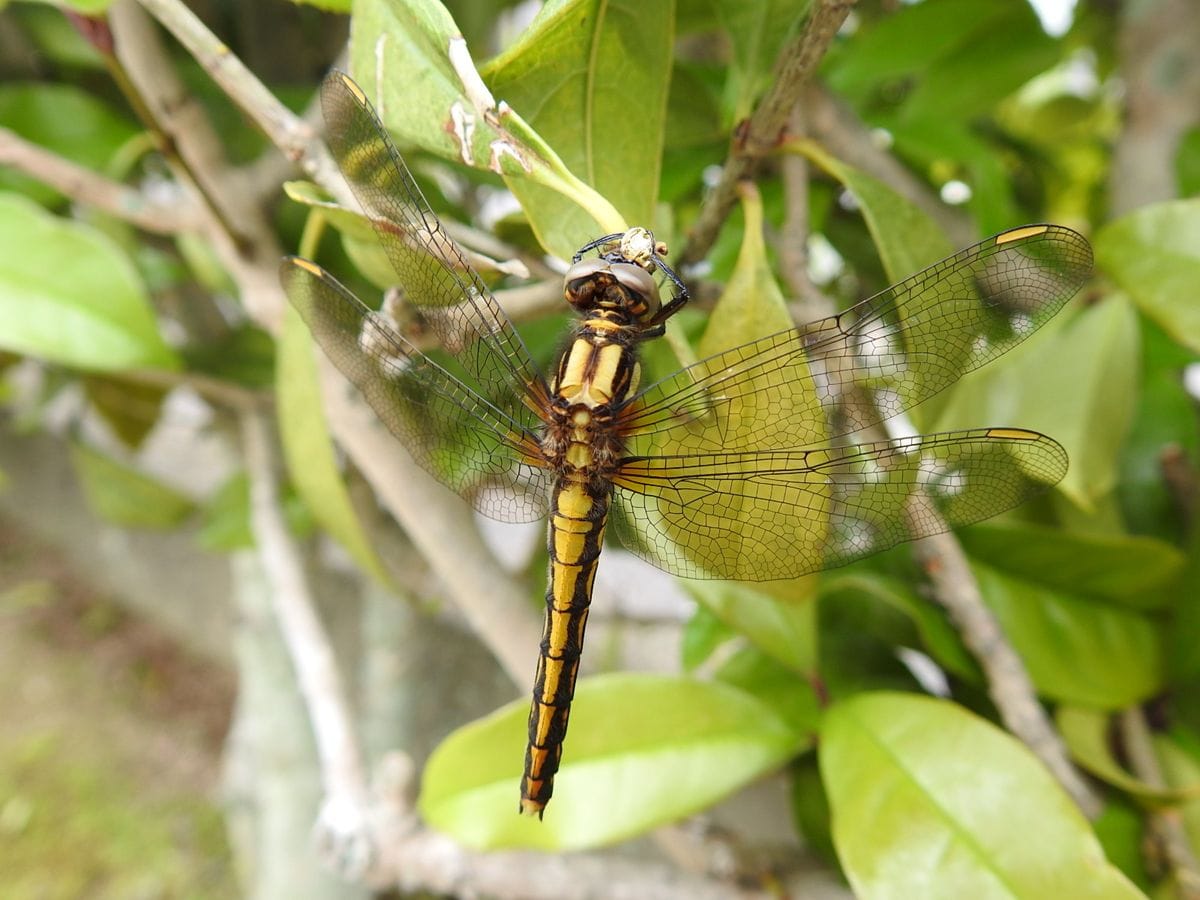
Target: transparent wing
{"type": "Point", "coordinates": [799, 387]}
{"type": "Point", "coordinates": [464, 441]}
{"type": "Point", "coordinates": [431, 270]}
{"type": "Point", "coordinates": [761, 516]}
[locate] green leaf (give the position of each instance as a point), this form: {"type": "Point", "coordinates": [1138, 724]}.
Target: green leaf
{"type": "Point", "coordinates": [592, 79]}
{"type": "Point", "coordinates": [642, 750]}
{"type": "Point", "coordinates": [810, 808]}
{"type": "Point", "coordinates": [751, 306]}
{"type": "Point", "coordinates": [931, 801]}
{"type": "Point", "coordinates": [937, 634]}
{"type": "Point", "coordinates": [788, 694]}
{"type": "Point", "coordinates": [226, 517]}
{"type": "Point", "coordinates": [403, 51]}
{"type": "Point", "coordinates": [1086, 734]}
{"type": "Point", "coordinates": [65, 120]}
{"type": "Point", "coordinates": [68, 294]}
{"type": "Point", "coordinates": [783, 628]}
{"type": "Point", "coordinates": [1076, 649]}
{"type": "Point", "coordinates": [907, 239]}
{"type": "Point", "coordinates": [124, 496]}
{"type": "Point", "coordinates": [130, 409]}
{"type": "Point", "coordinates": [1136, 572]}
{"type": "Point", "coordinates": [1076, 381]}
{"type": "Point", "coordinates": [308, 449]}
{"type": "Point", "coordinates": [1154, 255]}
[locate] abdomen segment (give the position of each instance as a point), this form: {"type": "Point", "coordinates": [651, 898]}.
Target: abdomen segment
{"type": "Point", "coordinates": [576, 533]}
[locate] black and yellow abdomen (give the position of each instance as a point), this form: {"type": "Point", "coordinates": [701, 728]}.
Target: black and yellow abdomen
{"type": "Point", "coordinates": [577, 518]}
{"type": "Point", "coordinates": [596, 374]}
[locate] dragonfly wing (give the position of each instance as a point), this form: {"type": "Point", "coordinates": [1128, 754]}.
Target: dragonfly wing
{"type": "Point", "coordinates": [459, 437]}
{"type": "Point", "coordinates": [432, 272]}
{"type": "Point", "coordinates": [760, 516]}
{"type": "Point", "coordinates": [802, 387]}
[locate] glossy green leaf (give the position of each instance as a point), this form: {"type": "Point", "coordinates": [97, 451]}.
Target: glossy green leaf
{"type": "Point", "coordinates": [931, 801]}
{"type": "Point", "coordinates": [1075, 380]}
{"type": "Point", "coordinates": [1132, 571]}
{"type": "Point", "coordinates": [1086, 732]}
{"type": "Point", "coordinates": [788, 694]}
{"type": "Point", "coordinates": [642, 750]}
{"type": "Point", "coordinates": [1154, 255]}
{"type": "Point", "coordinates": [65, 120]}
{"type": "Point", "coordinates": [69, 295]}
{"type": "Point", "coordinates": [783, 628]}
{"type": "Point", "coordinates": [412, 63]}
{"type": "Point", "coordinates": [308, 448]}
{"type": "Point", "coordinates": [1077, 649]}
{"type": "Point", "coordinates": [123, 495]}
{"type": "Point", "coordinates": [592, 78]}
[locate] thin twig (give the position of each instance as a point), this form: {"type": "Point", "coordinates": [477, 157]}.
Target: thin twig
{"type": "Point", "coordinates": [312, 654]}
{"type": "Point", "coordinates": [85, 186]}
{"type": "Point", "coordinates": [250, 251]}
{"type": "Point", "coordinates": [762, 132]}
{"type": "Point", "coordinates": [441, 527]}
{"type": "Point", "coordinates": [1008, 683]}
{"type": "Point", "coordinates": [292, 134]}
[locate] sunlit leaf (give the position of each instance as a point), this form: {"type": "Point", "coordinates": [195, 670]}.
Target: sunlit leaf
{"type": "Point", "coordinates": [783, 628]}
{"type": "Point", "coordinates": [643, 750]}
{"type": "Point", "coordinates": [1133, 571]}
{"type": "Point", "coordinates": [1076, 381]}
{"type": "Point", "coordinates": [592, 78]}
{"type": "Point", "coordinates": [1154, 255]}
{"type": "Point", "coordinates": [69, 295]}
{"type": "Point", "coordinates": [931, 801]}
{"type": "Point", "coordinates": [1076, 648]}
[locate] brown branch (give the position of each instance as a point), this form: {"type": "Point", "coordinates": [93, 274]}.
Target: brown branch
{"type": "Point", "coordinates": [86, 186]}
{"type": "Point", "coordinates": [1008, 683]}
{"type": "Point", "coordinates": [248, 250]}
{"type": "Point", "coordinates": [344, 820]}
{"type": "Point", "coordinates": [292, 134]}
{"type": "Point", "coordinates": [1159, 53]}
{"type": "Point", "coordinates": [762, 131]}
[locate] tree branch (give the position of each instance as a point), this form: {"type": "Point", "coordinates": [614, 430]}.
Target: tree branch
{"type": "Point", "coordinates": [87, 187]}
{"type": "Point", "coordinates": [1008, 684]}
{"type": "Point", "coordinates": [762, 131]}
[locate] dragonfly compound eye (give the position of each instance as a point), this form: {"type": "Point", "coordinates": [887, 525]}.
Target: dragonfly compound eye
{"type": "Point", "coordinates": [640, 287]}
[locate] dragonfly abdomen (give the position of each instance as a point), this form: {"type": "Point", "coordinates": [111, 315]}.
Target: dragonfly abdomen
{"type": "Point", "coordinates": [578, 514]}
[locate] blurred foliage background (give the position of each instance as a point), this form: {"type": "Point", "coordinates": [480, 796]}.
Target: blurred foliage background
{"type": "Point", "coordinates": [183, 486]}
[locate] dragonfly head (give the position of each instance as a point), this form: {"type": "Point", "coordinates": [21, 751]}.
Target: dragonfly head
{"type": "Point", "coordinates": [621, 278]}
{"type": "Point", "coordinates": [595, 285]}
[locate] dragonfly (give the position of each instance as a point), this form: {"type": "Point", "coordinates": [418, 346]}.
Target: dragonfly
{"type": "Point", "coordinates": [761, 462]}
